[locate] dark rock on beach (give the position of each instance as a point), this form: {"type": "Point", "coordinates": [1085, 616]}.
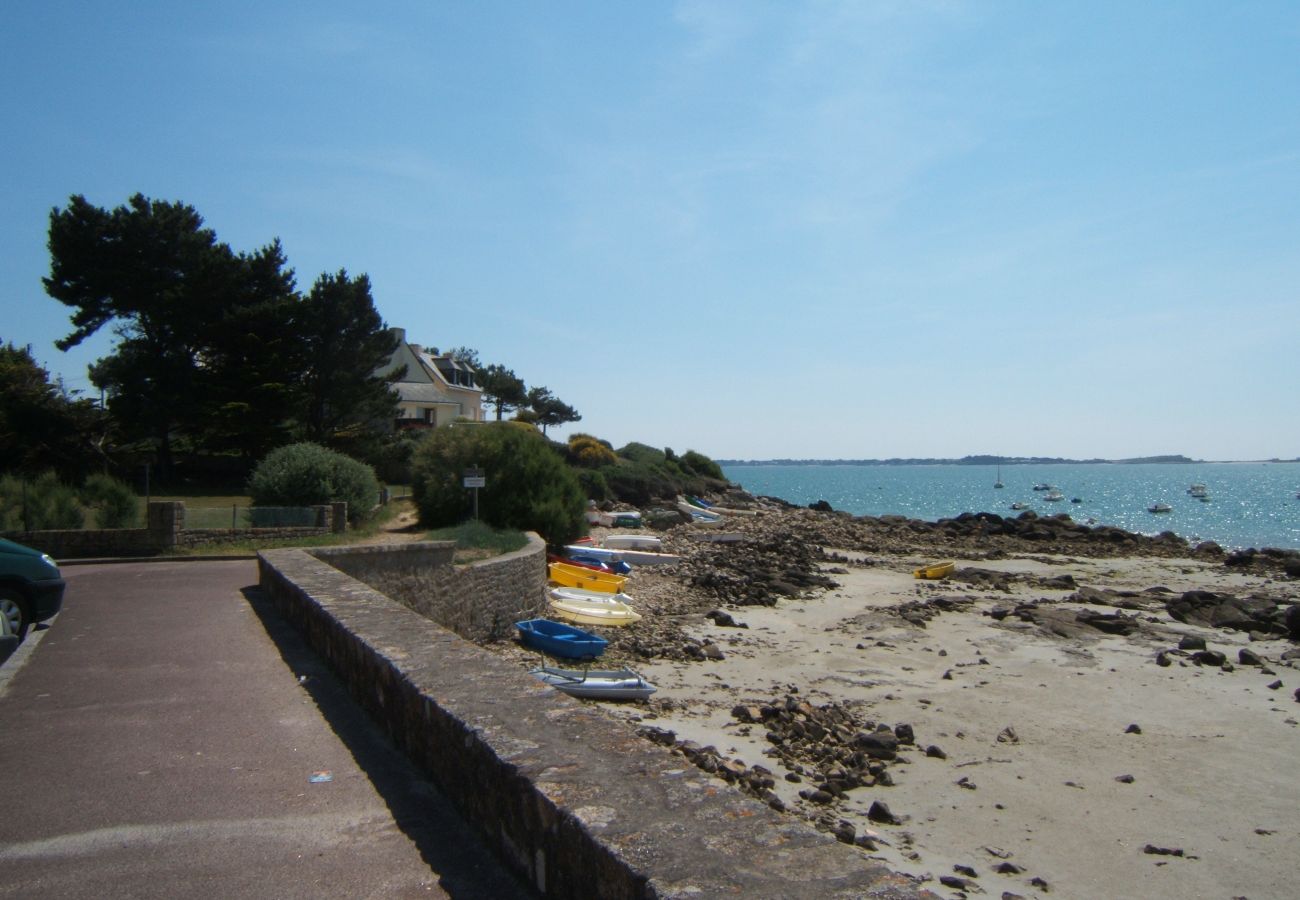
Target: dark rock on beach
{"type": "Point", "coordinates": [1209, 609]}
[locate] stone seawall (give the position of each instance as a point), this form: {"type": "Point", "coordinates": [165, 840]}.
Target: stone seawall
{"type": "Point", "coordinates": [570, 797]}
{"type": "Point", "coordinates": [479, 601]}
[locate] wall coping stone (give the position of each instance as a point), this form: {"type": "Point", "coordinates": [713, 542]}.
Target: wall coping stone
{"type": "Point", "coordinates": [568, 795]}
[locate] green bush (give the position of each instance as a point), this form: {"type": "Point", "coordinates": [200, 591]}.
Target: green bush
{"type": "Point", "coordinates": [528, 487]}
{"type": "Point", "coordinates": [639, 484]}
{"type": "Point", "coordinates": [593, 484]}
{"type": "Point", "coordinates": [113, 503]}
{"type": "Point", "coordinates": [702, 465]}
{"type": "Point", "coordinates": [38, 504]}
{"type": "Point", "coordinates": [310, 475]}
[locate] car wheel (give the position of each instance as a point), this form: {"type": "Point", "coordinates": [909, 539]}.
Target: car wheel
{"type": "Point", "coordinates": [14, 608]}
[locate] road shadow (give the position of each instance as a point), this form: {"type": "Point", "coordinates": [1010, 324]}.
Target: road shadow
{"type": "Point", "coordinates": [465, 867]}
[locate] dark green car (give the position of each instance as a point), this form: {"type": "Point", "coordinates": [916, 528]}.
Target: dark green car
{"type": "Point", "coordinates": [31, 588]}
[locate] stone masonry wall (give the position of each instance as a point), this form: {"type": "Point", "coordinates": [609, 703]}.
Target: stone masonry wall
{"type": "Point", "coordinates": [166, 531]}
{"type": "Point", "coordinates": [570, 797]}
{"type": "Point", "coordinates": [479, 601]}
{"type": "Point", "coordinates": [91, 542]}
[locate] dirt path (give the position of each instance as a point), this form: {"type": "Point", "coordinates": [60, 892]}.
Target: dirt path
{"type": "Point", "coordinates": [402, 528]}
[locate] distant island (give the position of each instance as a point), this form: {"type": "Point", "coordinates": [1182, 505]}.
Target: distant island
{"type": "Point", "coordinates": [980, 460]}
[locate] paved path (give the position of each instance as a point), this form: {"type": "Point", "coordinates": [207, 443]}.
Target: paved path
{"type": "Point", "coordinates": [156, 741]}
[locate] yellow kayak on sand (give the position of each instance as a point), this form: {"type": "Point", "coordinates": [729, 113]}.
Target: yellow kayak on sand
{"type": "Point", "coordinates": [935, 570]}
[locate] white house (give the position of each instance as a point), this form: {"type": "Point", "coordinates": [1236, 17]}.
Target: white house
{"type": "Point", "coordinates": [436, 390]}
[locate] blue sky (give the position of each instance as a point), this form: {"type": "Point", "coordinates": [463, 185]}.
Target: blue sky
{"type": "Point", "coordinates": [860, 229]}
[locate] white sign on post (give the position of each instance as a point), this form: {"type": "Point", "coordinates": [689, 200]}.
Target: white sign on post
{"type": "Point", "coordinates": [474, 478]}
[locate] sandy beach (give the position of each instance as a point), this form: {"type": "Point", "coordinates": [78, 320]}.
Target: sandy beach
{"type": "Point", "coordinates": [1039, 754]}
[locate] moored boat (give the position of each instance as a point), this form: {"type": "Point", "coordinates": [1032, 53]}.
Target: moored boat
{"type": "Point", "coordinates": [717, 537]}
{"type": "Point", "coordinates": [589, 579]}
{"type": "Point", "coordinates": [560, 640]}
{"type": "Point", "coordinates": [604, 554]}
{"type": "Point", "coordinates": [1160, 508]}
{"type": "Point", "coordinates": [1053, 496]}
{"type": "Point", "coordinates": [698, 512]}
{"type": "Point", "coordinates": [596, 684]}
{"type": "Point", "coordinates": [935, 570]}
{"type": "Point", "coordinates": [633, 542]}
{"type": "Point", "coordinates": [646, 558]}
{"type": "Point", "coordinates": [591, 608]}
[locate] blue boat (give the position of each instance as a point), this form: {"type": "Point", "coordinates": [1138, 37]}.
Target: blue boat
{"type": "Point", "coordinates": [617, 566]}
{"type": "Point", "coordinates": [560, 640]}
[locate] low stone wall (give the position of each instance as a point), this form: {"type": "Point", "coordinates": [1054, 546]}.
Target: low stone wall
{"type": "Point", "coordinates": [91, 542]}
{"type": "Point", "coordinates": [479, 601]}
{"type": "Point", "coordinates": [570, 797]}
{"type": "Point", "coordinates": [202, 537]}
{"type": "Point", "coordinates": [166, 532]}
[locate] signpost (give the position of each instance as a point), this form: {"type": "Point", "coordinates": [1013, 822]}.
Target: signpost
{"type": "Point", "coordinates": [474, 480]}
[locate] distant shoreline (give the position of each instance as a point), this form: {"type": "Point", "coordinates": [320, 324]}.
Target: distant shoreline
{"type": "Point", "coordinates": [1002, 461]}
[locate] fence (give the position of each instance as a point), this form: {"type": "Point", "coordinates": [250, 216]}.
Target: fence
{"type": "Point", "coordinates": [235, 517]}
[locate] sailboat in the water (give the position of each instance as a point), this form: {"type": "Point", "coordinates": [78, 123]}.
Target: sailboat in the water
{"type": "Point", "coordinates": [998, 483]}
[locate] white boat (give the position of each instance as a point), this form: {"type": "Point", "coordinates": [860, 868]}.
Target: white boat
{"type": "Point", "coordinates": [604, 554]}
{"type": "Point", "coordinates": [698, 512]}
{"type": "Point", "coordinates": [633, 542]}
{"type": "Point", "coordinates": [615, 519]}
{"type": "Point", "coordinates": [564, 592]}
{"type": "Point", "coordinates": [584, 613]}
{"type": "Point", "coordinates": [1053, 495]}
{"type": "Point", "coordinates": [1199, 491]}
{"type": "Point", "coordinates": [592, 608]}
{"type": "Point", "coordinates": [998, 483]}
{"type": "Point", "coordinates": [596, 684]}
{"type": "Point", "coordinates": [1160, 508]}
{"type": "Point", "coordinates": [646, 558]}
{"type": "Point", "coordinates": [1019, 505]}
{"type": "Point", "coordinates": [732, 511]}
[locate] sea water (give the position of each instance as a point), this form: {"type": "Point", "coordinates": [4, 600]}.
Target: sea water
{"type": "Point", "coordinates": [1250, 504]}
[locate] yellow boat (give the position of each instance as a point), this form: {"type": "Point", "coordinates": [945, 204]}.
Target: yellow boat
{"type": "Point", "coordinates": [591, 608]}
{"type": "Point", "coordinates": [588, 579]}
{"type": "Point", "coordinates": [935, 570]}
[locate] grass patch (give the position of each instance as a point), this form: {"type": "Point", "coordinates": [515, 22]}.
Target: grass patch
{"type": "Point", "coordinates": [479, 540]}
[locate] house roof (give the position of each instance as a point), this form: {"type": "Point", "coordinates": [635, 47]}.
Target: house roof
{"type": "Point", "coordinates": [418, 392]}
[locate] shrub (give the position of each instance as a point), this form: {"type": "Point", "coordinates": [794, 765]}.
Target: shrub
{"type": "Point", "coordinates": [113, 503]}
{"type": "Point", "coordinates": [702, 465]}
{"type": "Point", "coordinates": [528, 488]}
{"type": "Point", "coordinates": [593, 484]}
{"type": "Point", "coordinates": [309, 475]}
{"type": "Point", "coordinates": [638, 484]}
{"type": "Point", "coordinates": [38, 504]}
{"type": "Point", "coordinates": [587, 452]}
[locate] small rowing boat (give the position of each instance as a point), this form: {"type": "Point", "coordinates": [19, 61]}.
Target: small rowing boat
{"type": "Point", "coordinates": [633, 542]}
{"type": "Point", "coordinates": [646, 558]}
{"type": "Point", "coordinates": [596, 684]}
{"type": "Point", "coordinates": [581, 577]}
{"type": "Point", "coordinates": [935, 570]}
{"type": "Point", "coordinates": [560, 640]}
{"type": "Point", "coordinates": [592, 608]}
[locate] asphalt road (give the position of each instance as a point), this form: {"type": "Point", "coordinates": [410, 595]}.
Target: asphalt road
{"type": "Point", "coordinates": [168, 735]}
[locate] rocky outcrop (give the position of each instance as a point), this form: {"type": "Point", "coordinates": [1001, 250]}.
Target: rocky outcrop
{"type": "Point", "coordinates": [1215, 610]}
